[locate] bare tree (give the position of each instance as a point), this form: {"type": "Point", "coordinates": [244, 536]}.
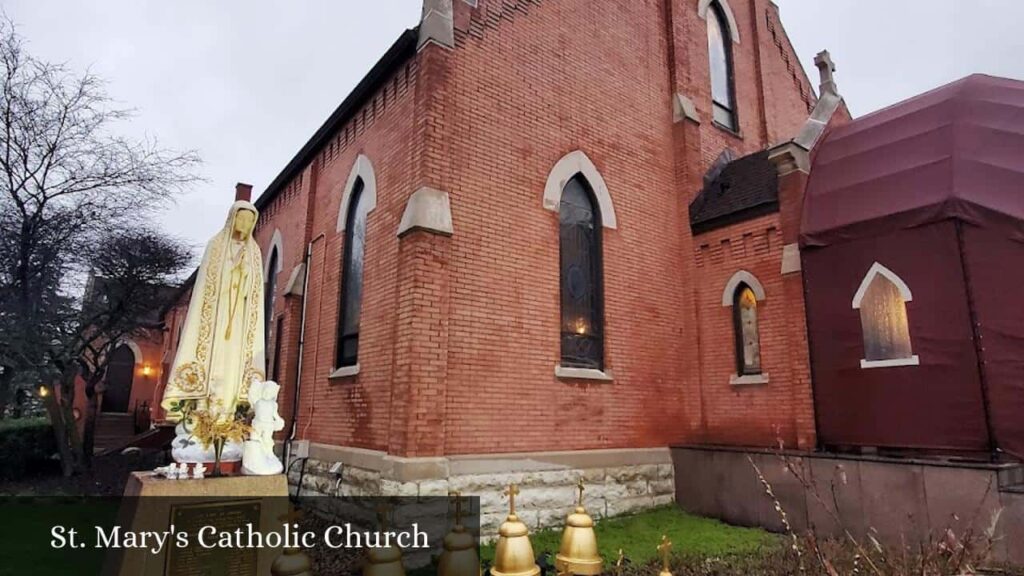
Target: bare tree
{"type": "Point", "coordinates": [66, 181]}
{"type": "Point", "coordinates": [130, 282]}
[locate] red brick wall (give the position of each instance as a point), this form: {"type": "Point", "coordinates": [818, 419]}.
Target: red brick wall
{"type": "Point", "coordinates": [353, 411]}
{"type": "Point", "coordinates": [286, 214]}
{"type": "Point", "coordinates": [460, 336]}
{"type": "Point", "coordinates": [747, 414]}
{"type": "Point", "coordinates": [530, 88]}
{"type": "Point", "coordinates": [591, 76]}
{"type": "Point", "coordinates": [144, 386]}
{"type": "Point", "coordinates": [174, 322]}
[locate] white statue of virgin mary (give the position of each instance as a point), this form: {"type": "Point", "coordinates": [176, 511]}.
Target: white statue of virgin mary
{"type": "Point", "coordinates": [222, 348]}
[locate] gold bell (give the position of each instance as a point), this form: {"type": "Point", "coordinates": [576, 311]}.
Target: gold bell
{"type": "Point", "coordinates": [459, 557]}
{"type": "Point", "coordinates": [383, 561]}
{"type": "Point", "coordinates": [663, 550]}
{"type": "Point", "coordinates": [513, 555]}
{"type": "Point", "coordinates": [293, 561]}
{"type": "Point", "coordinates": [578, 552]}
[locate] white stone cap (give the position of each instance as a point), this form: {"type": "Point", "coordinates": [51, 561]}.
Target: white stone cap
{"type": "Point", "coordinates": [428, 209]}
{"type": "Point", "coordinates": [345, 371]}
{"type": "Point", "coordinates": [568, 373]}
{"type": "Point", "coordinates": [748, 379]}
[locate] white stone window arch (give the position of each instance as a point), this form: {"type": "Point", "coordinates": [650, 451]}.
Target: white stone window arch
{"type": "Point", "coordinates": [276, 245]}
{"type": "Point", "coordinates": [743, 293]}
{"type": "Point", "coordinates": [881, 299]}
{"type": "Point", "coordinates": [136, 351]}
{"type": "Point", "coordinates": [361, 170]}
{"type": "Point", "coordinates": [742, 277]}
{"type": "Point", "coordinates": [730, 18]}
{"type": "Point", "coordinates": [573, 163]}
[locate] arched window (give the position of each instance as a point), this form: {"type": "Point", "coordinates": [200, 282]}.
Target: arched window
{"type": "Point", "coordinates": [275, 375]}
{"type": "Point", "coordinates": [748, 343]}
{"type": "Point", "coordinates": [120, 374]}
{"type": "Point", "coordinates": [882, 299]}
{"type": "Point", "coordinates": [720, 59]}
{"type": "Point", "coordinates": [269, 295]}
{"type": "Point", "coordinates": [580, 278]}
{"type": "Point", "coordinates": [351, 302]}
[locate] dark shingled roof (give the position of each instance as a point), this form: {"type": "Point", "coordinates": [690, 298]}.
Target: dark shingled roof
{"type": "Point", "coordinates": [746, 188]}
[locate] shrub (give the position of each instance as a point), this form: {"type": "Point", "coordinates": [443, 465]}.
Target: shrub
{"type": "Point", "coordinates": [27, 445]}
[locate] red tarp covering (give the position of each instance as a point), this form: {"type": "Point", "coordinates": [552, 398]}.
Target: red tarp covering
{"type": "Point", "coordinates": [933, 189]}
{"type": "Point", "coordinates": [954, 152]}
{"type": "Point", "coordinates": [936, 405]}
{"type": "Point", "coordinates": [995, 272]}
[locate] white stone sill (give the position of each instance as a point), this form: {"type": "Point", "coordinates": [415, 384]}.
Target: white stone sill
{"type": "Point", "coordinates": [912, 361]}
{"type": "Point", "coordinates": [748, 379]}
{"type": "Point", "coordinates": [566, 373]}
{"type": "Point", "coordinates": [344, 372]}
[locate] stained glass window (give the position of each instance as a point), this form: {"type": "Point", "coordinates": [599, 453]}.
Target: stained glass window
{"type": "Point", "coordinates": [883, 320]}
{"type": "Point", "coordinates": [269, 295]}
{"type": "Point", "coordinates": [278, 337]}
{"type": "Point", "coordinates": [581, 289]}
{"type": "Point", "coordinates": [720, 56]}
{"type": "Point", "coordinates": [748, 344]}
{"type": "Point", "coordinates": [352, 279]}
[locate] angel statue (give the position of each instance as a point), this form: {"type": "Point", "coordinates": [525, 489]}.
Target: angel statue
{"type": "Point", "coordinates": [258, 457]}
{"type": "Point", "coordinates": [221, 348]}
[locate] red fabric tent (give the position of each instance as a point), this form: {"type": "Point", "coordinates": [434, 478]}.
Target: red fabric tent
{"type": "Point", "coordinates": [954, 152]}
{"type": "Point", "coordinates": [933, 189]}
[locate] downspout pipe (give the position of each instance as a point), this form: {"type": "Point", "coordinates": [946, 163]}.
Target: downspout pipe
{"type": "Point", "coordinates": [302, 343]}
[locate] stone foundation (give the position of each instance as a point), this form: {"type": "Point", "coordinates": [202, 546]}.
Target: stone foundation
{"type": "Point", "coordinates": [894, 500]}
{"type": "Point", "coordinates": [617, 481]}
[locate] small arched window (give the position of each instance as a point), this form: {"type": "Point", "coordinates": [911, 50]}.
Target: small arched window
{"type": "Point", "coordinates": [269, 295]}
{"type": "Point", "coordinates": [351, 302]}
{"type": "Point", "coordinates": [748, 343]}
{"type": "Point", "coordinates": [581, 277]}
{"type": "Point", "coordinates": [720, 60]}
{"type": "Point", "coordinates": [882, 301]}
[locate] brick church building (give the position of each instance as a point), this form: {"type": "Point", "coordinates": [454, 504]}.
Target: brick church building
{"type": "Point", "coordinates": [545, 238]}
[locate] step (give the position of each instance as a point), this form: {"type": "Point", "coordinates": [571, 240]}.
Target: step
{"type": "Point", "coordinates": [113, 430]}
{"type": "Point", "coordinates": [1011, 476]}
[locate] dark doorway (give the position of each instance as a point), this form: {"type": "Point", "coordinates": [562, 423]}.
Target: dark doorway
{"type": "Point", "coordinates": [120, 372]}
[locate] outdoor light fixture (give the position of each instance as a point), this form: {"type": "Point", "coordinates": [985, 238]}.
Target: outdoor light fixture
{"type": "Point", "coordinates": [44, 391]}
{"type": "Point", "coordinates": [146, 370]}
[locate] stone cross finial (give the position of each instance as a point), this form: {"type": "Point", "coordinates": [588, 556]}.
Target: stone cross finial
{"type": "Point", "coordinates": [511, 492]}
{"type": "Point", "coordinates": [826, 67]}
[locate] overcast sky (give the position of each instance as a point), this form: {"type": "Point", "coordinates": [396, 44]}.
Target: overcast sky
{"type": "Point", "coordinates": [247, 82]}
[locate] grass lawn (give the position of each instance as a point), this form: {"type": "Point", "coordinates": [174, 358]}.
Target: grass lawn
{"type": "Point", "coordinates": [639, 534]}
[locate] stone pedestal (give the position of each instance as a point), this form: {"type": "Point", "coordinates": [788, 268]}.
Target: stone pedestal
{"type": "Point", "coordinates": [153, 504]}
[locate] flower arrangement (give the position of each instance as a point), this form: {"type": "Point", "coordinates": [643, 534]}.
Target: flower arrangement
{"type": "Point", "coordinates": [213, 427]}
{"type": "Point", "coordinates": [209, 429]}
